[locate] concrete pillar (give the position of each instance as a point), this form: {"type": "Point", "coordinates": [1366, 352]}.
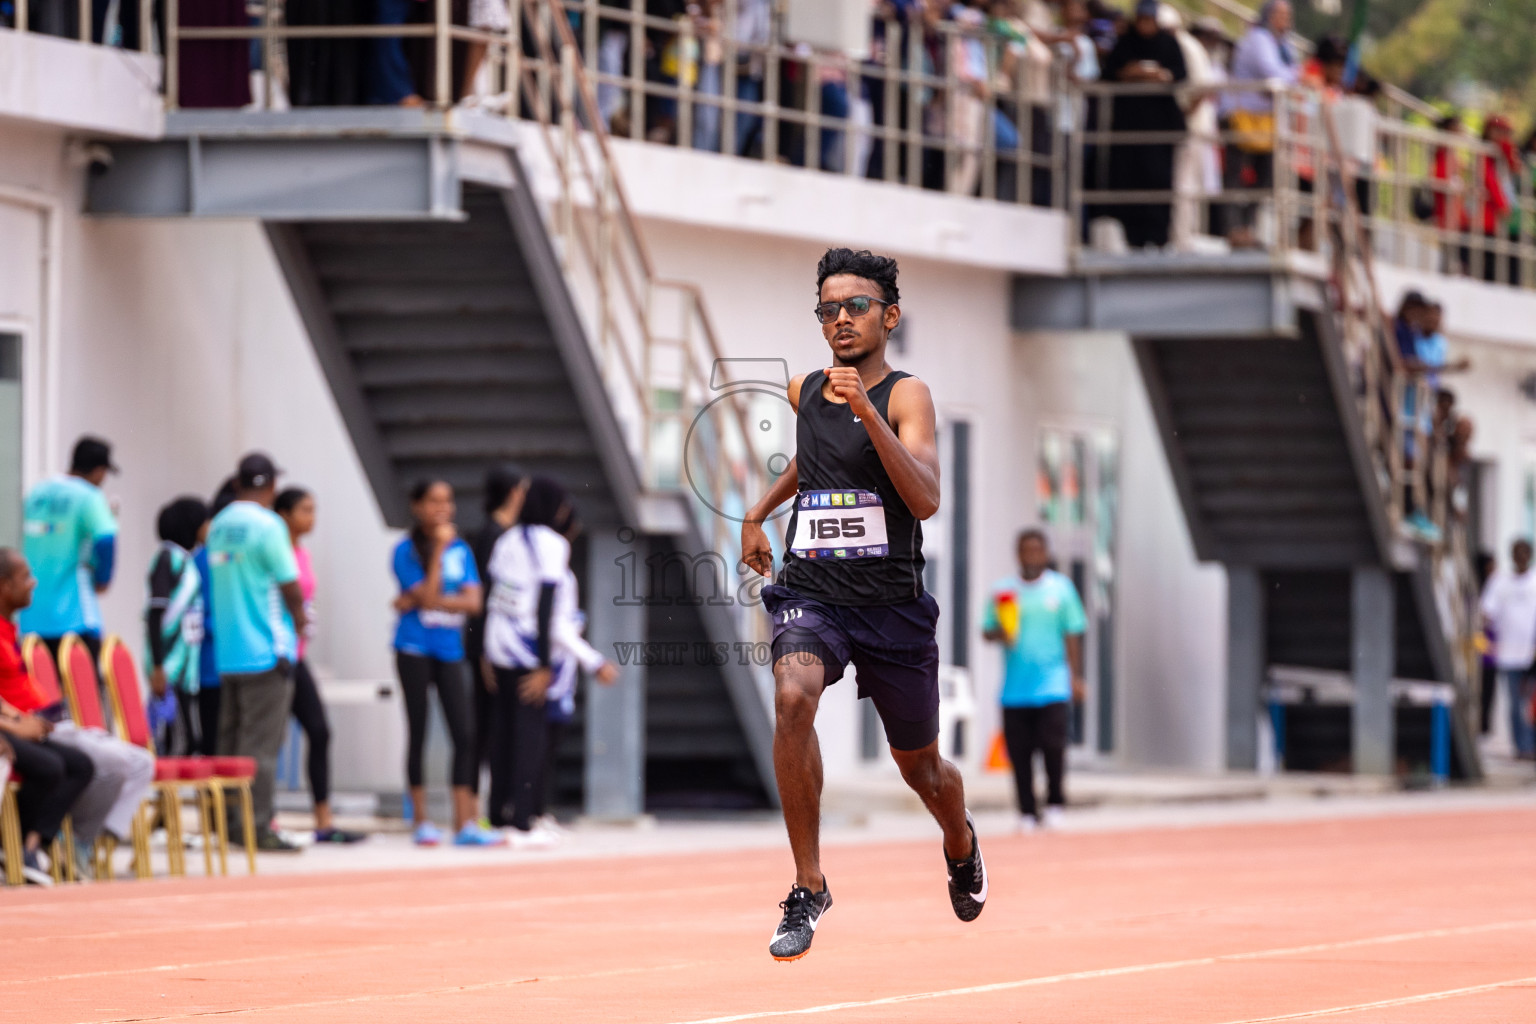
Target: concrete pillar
{"type": "Point", "coordinates": [1373, 660]}
{"type": "Point", "coordinates": [617, 583]}
{"type": "Point", "coordinates": [1246, 658]}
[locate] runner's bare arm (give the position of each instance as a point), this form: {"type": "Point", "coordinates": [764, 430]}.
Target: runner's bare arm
{"type": "Point", "coordinates": [756, 552]}
{"type": "Point", "coordinates": [906, 445]}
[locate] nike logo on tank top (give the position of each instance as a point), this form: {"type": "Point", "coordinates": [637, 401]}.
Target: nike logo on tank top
{"type": "Point", "coordinates": [851, 540]}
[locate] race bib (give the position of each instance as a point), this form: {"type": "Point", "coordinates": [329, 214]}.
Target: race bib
{"type": "Point", "coordinates": [840, 524]}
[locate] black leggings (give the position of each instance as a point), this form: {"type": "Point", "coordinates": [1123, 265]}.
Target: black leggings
{"type": "Point", "coordinates": [486, 730]}
{"type": "Point", "coordinates": [208, 701]}
{"type": "Point", "coordinates": [1044, 728]}
{"type": "Point", "coordinates": [417, 674]}
{"type": "Point", "coordinates": [553, 731]}
{"type": "Point", "coordinates": [310, 714]}
{"type": "Point", "coordinates": [52, 777]}
{"type": "Point", "coordinates": [521, 754]}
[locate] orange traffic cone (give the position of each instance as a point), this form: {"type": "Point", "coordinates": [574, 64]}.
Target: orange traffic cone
{"type": "Point", "coordinates": [997, 756]}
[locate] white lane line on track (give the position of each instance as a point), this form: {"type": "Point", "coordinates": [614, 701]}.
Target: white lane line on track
{"type": "Point", "coordinates": [1381, 1004]}
{"type": "Point", "coordinates": [1108, 972]}
{"type": "Point", "coordinates": [1114, 972]}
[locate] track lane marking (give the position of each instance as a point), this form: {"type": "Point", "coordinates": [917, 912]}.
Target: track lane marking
{"type": "Point", "coordinates": [1055, 979]}
{"type": "Point", "coordinates": [1114, 972]}
{"type": "Point", "coordinates": [1381, 1004]}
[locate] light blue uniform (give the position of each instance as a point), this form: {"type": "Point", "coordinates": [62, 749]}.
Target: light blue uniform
{"type": "Point", "coordinates": [68, 536]}
{"type": "Point", "coordinates": [249, 557]}
{"type": "Point", "coordinates": [1035, 669]}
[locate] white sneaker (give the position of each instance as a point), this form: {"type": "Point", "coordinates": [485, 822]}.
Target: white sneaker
{"type": "Point", "coordinates": [536, 838]}
{"type": "Point", "coordinates": [1051, 817]}
{"type": "Point", "coordinates": [1027, 824]}
{"type": "Point", "coordinates": [549, 823]}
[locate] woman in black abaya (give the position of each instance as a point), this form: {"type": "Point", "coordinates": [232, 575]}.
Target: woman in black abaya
{"type": "Point", "coordinates": [1145, 54]}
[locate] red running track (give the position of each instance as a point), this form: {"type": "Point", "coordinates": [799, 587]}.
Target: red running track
{"type": "Point", "coordinates": [1425, 918]}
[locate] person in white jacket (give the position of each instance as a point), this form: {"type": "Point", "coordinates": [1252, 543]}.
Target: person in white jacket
{"type": "Point", "coordinates": [531, 628]}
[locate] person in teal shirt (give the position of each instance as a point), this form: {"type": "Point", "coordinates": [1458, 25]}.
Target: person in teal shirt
{"type": "Point", "coordinates": [254, 579]}
{"type": "Point", "coordinates": [1038, 619]}
{"type": "Point", "coordinates": [69, 536]}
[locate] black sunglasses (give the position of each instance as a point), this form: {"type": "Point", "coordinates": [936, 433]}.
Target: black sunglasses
{"type": "Point", "coordinates": [857, 306]}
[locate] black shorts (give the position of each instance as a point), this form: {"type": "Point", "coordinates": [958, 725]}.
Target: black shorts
{"type": "Point", "coordinates": [893, 648]}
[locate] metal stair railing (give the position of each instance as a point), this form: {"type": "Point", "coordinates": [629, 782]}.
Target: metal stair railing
{"type": "Point", "coordinates": [687, 425]}
{"type": "Point", "coordinates": [1385, 388]}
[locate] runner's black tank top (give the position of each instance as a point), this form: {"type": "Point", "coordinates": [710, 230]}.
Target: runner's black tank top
{"type": "Point", "coordinates": [834, 451]}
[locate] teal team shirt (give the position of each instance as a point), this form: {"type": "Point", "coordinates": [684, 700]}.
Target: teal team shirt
{"type": "Point", "coordinates": [1035, 669]}
{"type": "Point", "coordinates": [62, 521]}
{"type": "Point", "coordinates": [249, 558]}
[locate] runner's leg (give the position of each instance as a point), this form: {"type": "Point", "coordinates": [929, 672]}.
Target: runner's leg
{"type": "Point", "coordinates": [939, 785]}
{"type": "Point", "coordinates": [798, 681]}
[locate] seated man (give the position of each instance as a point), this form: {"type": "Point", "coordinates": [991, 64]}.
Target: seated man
{"type": "Point", "coordinates": [123, 774]}
{"type": "Point", "coordinates": [52, 779]}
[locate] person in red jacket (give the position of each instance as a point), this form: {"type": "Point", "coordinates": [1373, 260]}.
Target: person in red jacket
{"type": "Point", "coordinates": [1499, 174]}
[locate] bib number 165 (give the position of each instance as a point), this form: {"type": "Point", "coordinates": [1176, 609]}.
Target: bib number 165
{"type": "Point", "coordinates": [836, 529]}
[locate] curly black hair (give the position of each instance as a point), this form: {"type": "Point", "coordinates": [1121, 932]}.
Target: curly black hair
{"type": "Point", "coordinates": [860, 263]}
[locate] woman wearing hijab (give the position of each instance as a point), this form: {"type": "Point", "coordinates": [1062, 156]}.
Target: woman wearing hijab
{"type": "Point", "coordinates": [1145, 54]}
{"type": "Point", "coordinates": [525, 635]}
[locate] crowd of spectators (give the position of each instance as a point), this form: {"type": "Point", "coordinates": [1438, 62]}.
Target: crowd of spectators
{"type": "Point", "coordinates": [992, 92]}
{"type": "Point", "coordinates": [227, 623]}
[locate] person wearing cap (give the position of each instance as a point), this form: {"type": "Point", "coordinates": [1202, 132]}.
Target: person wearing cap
{"type": "Point", "coordinates": [254, 578]}
{"type": "Point", "coordinates": [69, 536]}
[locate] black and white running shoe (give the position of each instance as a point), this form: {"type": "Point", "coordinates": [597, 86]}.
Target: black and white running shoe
{"type": "Point", "coordinates": [802, 913]}
{"type": "Point", "coordinates": [968, 880]}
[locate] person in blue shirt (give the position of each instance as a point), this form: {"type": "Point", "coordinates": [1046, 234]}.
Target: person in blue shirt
{"type": "Point", "coordinates": [260, 615]}
{"type": "Point", "coordinates": [439, 589]}
{"type": "Point", "coordinates": [69, 535]}
{"type": "Point", "coordinates": [1038, 619]}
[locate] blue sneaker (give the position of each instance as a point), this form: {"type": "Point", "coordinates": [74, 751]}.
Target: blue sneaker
{"type": "Point", "coordinates": [473, 835]}
{"type": "Point", "coordinates": [428, 834]}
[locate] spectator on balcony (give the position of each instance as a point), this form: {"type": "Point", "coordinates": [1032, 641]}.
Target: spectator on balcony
{"type": "Point", "coordinates": [327, 72]}
{"type": "Point", "coordinates": [214, 72]}
{"type": "Point", "coordinates": [1264, 54]}
{"type": "Point", "coordinates": [1500, 177]}
{"type": "Point", "coordinates": [709, 26]}
{"type": "Point", "coordinates": [753, 32]}
{"type": "Point", "coordinates": [1146, 54]}
{"type": "Point", "coordinates": [391, 79]}
{"type": "Point", "coordinates": [612, 60]}
{"type": "Point", "coordinates": [970, 102]}
{"type": "Point", "coordinates": [1450, 205]}
{"type": "Point", "coordinates": [1509, 609]}
{"type": "Point", "coordinates": [1208, 121]}
{"type": "Point", "coordinates": [1190, 171]}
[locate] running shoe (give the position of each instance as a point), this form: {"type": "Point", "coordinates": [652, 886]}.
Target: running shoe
{"type": "Point", "coordinates": [270, 841]}
{"type": "Point", "coordinates": [33, 871]}
{"type": "Point", "coordinates": [428, 834]}
{"type": "Point", "coordinates": [1051, 816]}
{"type": "Point", "coordinates": [473, 835]}
{"type": "Point", "coordinates": [338, 835]}
{"type": "Point", "coordinates": [802, 913]}
{"type": "Point", "coordinates": [536, 838]}
{"type": "Point", "coordinates": [968, 879]}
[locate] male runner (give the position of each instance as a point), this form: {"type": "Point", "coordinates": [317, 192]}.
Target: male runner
{"type": "Point", "coordinates": [866, 470]}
